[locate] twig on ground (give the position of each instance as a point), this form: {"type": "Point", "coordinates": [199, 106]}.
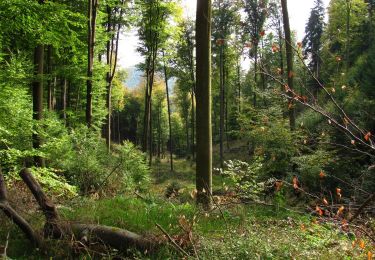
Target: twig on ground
{"type": "Point", "coordinates": [182, 251]}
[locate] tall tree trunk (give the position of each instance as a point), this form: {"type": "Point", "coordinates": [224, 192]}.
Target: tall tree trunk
{"type": "Point", "coordinates": [255, 75]}
{"type": "Point", "coordinates": [222, 100]}
{"type": "Point", "coordinates": [49, 81]}
{"type": "Point", "coordinates": [193, 87]}
{"type": "Point", "coordinates": [159, 130]}
{"type": "Point", "coordinates": [146, 116]}
{"type": "Point", "coordinates": [107, 125]}
{"type": "Point", "coordinates": [203, 96]}
{"type": "Point", "coordinates": [281, 58]}
{"type": "Point", "coordinates": [239, 84]}
{"type": "Point", "coordinates": [92, 12]}
{"type": "Point", "coordinates": [112, 54]}
{"type": "Point", "coordinates": [347, 43]}
{"type": "Point", "coordinates": [64, 87]}
{"type": "Point", "coordinates": [192, 143]}
{"type": "Point", "coordinates": [289, 62]}
{"type": "Point", "coordinates": [37, 86]}
{"type": "Point", "coordinates": [169, 113]}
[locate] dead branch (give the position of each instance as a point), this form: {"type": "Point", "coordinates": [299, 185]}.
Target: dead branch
{"type": "Point", "coordinates": [15, 217]}
{"type": "Point", "coordinates": [362, 207]}
{"type": "Point", "coordinates": [120, 239]}
{"type": "Point", "coordinates": [182, 251]}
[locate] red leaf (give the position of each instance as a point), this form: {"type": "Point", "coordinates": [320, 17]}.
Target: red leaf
{"type": "Point", "coordinates": [319, 211]}
{"type": "Point", "coordinates": [367, 136]}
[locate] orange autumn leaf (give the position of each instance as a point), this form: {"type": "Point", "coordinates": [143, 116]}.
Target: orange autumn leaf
{"type": "Point", "coordinates": [322, 174]}
{"type": "Point", "coordinates": [262, 33]}
{"type": "Point", "coordinates": [340, 210]}
{"type": "Point", "coordinates": [278, 185]}
{"type": "Point", "coordinates": [303, 227]}
{"type": "Point", "coordinates": [369, 255]}
{"type": "Point", "coordinates": [325, 201]}
{"type": "Point", "coordinates": [362, 244]}
{"type": "Point", "coordinates": [299, 44]}
{"type": "Point", "coordinates": [319, 211]}
{"type": "Point", "coordinates": [295, 182]}
{"type": "Point", "coordinates": [338, 192]}
{"type": "Point", "coordinates": [367, 136]}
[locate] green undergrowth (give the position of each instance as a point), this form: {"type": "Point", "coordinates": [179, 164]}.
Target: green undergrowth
{"type": "Point", "coordinates": [232, 231]}
{"type": "Point", "coordinates": [235, 232]}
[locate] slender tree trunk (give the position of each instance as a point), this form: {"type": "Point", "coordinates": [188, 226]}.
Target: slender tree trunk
{"type": "Point", "coordinates": [92, 12]}
{"type": "Point", "coordinates": [112, 54]}
{"type": "Point", "coordinates": [64, 87]}
{"type": "Point", "coordinates": [49, 82]}
{"type": "Point", "coordinates": [150, 136]}
{"type": "Point", "coordinates": [119, 126]}
{"type": "Point", "coordinates": [281, 58]}
{"type": "Point", "coordinates": [187, 133]}
{"type": "Point", "coordinates": [107, 125]}
{"type": "Point", "coordinates": [193, 89]}
{"type": "Point", "coordinates": [169, 113]}
{"type": "Point", "coordinates": [159, 129]}
{"type": "Point", "coordinates": [289, 62]}
{"type": "Point", "coordinates": [203, 95]}
{"type": "Point", "coordinates": [192, 143]}
{"type": "Point", "coordinates": [239, 84]}
{"type": "Point", "coordinates": [222, 100]}
{"type": "Point", "coordinates": [347, 43]}
{"type": "Point", "coordinates": [145, 116]}
{"type": "Point", "coordinates": [255, 76]}
{"type": "Point", "coordinates": [37, 86]}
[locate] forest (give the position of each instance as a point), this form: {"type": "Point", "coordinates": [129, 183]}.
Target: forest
{"type": "Point", "coordinates": [239, 141]}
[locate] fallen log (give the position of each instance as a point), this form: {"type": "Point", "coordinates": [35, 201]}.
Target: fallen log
{"type": "Point", "coordinates": [15, 217]}
{"type": "Point", "coordinates": [114, 237]}
{"type": "Point", "coordinates": [117, 238]}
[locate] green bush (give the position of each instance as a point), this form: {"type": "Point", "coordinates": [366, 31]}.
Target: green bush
{"type": "Point", "coordinates": [244, 176]}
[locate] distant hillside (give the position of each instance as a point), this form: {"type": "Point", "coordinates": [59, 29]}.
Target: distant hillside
{"type": "Point", "coordinates": [134, 77]}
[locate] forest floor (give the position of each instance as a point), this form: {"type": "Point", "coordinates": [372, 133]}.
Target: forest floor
{"type": "Point", "coordinates": [232, 230]}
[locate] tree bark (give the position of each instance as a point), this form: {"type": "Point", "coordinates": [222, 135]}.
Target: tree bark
{"type": "Point", "coordinates": [289, 62]}
{"type": "Point", "coordinates": [64, 87]}
{"type": "Point", "coordinates": [92, 13]}
{"type": "Point", "coordinates": [222, 99]}
{"type": "Point", "coordinates": [37, 86]}
{"type": "Point", "coordinates": [203, 96]}
{"type": "Point", "coordinates": [112, 54]}
{"type": "Point", "coordinates": [169, 114]}
{"type": "Point", "coordinates": [49, 82]}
